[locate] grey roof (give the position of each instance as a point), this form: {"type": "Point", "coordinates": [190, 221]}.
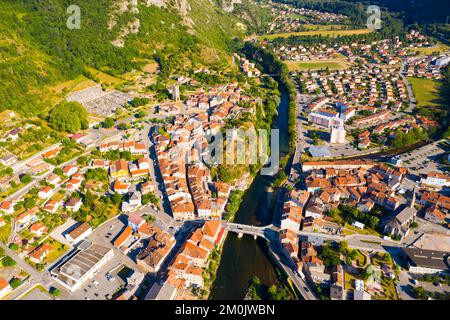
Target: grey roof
{"type": "Point", "coordinates": [336, 292]}
{"type": "Point", "coordinates": [428, 258]}
{"type": "Point", "coordinates": [319, 151]}
{"type": "Point", "coordinates": [163, 291]}
{"type": "Point", "coordinates": [406, 214]}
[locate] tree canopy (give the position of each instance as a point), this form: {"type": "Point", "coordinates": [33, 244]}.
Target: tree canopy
{"type": "Point", "coordinates": [68, 117]}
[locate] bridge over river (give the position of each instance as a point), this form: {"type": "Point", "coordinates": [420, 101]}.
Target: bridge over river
{"type": "Point", "coordinates": [271, 234]}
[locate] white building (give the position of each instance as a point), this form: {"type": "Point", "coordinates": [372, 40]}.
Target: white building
{"type": "Point", "coordinates": [436, 179]}
{"type": "Point", "coordinates": [337, 134]}
{"type": "Point", "coordinates": [443, 61]}
{"type": "Point", "coordinates": [81, 265]}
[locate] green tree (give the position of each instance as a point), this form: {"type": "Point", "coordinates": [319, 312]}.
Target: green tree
{"type": "Point", "coordinates": [108, 123]}
{"type": "Point", "coordinates": [29, 203]}
{"type": "Point", "coordinates": [26, 178]}
{"type": "Point", "coordinates": [8, 262]}
{"type": "Point", "coordinates": [55, 292]}
{"type": "Point", "coordinates": [15, 283]}
{"type": "Point", "coordinates": [123, 126]}
{"type": "Point", "coordinates": [68, 117]}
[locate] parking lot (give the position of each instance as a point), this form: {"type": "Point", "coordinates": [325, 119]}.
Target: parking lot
{"type": "Point", "coordinates": [406, 286]}
{"type": "Point", "coordinates": [100, 287]}
{"type": "Point", "coordinates": [424, 159]}
{"type": "Point", "coordinates": [37, 294]}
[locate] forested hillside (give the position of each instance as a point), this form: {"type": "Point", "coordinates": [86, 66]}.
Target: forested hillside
{"type": "Point", "coordinates": [116, 36]}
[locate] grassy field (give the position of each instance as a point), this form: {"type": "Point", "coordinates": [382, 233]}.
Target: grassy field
{"type": "Point", "coordinates": [439, 47]}
{"type": "Point", "coordinates": [426, 91]}
{"type": "Point", "coordinates": [317, 65]}
{"type": "Point", "coordinates": [324, 27]}
{"type": "Point", "coordinates": [104, 78]}
{"type": "Point", "coordinates": [331, 33]}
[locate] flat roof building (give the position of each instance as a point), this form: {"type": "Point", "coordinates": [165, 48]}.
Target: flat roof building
{"type": "Point", "coordinates": [81, 264]}
{"type": "Point", "coordinates": [427, 261]}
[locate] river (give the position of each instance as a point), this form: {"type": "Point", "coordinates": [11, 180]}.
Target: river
{"type": "Point", "coordinates": [243, 258]}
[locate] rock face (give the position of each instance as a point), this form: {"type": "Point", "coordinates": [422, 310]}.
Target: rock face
{"type": "Point", "coordinates": [120, 7]}
{"type": "Point", "coordinates": [228, 5]}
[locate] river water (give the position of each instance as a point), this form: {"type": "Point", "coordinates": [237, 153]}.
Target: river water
{"type": "Point", "coordinates": [243, 258]}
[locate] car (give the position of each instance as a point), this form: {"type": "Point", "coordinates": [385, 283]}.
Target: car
{"type": "Point", "coordinates": [437, 284]}
{"type": "Point", "coordinates": [109, 277]}
{"type": "Point", "coordinates": [306, 289]}
{"type": "Point", "coordinates": [415, 281]}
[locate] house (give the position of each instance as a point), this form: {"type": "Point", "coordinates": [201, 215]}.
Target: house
{"type": "Point", "coordinates": [426, 261]}
{"type": "Point", "coordinates": [135, 221]}
{"type": "Point", "coordinates": [73, 184]}
{"type": "Point", "coordinates": [158, 248]}
{"type": "Point", "coordinates": [53, 179]}
{"type": "Point", "coordinates": [38, 255]}
{"type": "Point", "coordinates": [81, 232]}
{"type": "Point", "coordinates": [27, 216]}
{"type": "Point", "coordinates": [164, 291]}
{"type": "Point", "coordinates": [123, 237]}
{"type": "Point", "coordinates": [38, 229]}
{"type": "Point", "coordinates": [7, 207]}
{"type": "Point", "coordinates": [291, 219]}
{"type": "Point", "coordinates": [13, 135]}
{"type": "Point", "coordinates": [183, 211]}
{"type": "Point", "coordinates": [119, 169]}
{"type": "Point", "coordinates": [120, 187]}
{"type": "Point", "coordinates": [51, 206]}
{"type": "Point", "coordinates": [73, 204]}
{"type": "Point", "coordinates": [436, 180]}
{"type": "Point", "coordinates": [5, 288]}
{"type": "Point", "coordinates": [8, 160]}
{"type": "Point", "coordinates": [45, 192]}
{"type": "Point", "coordinates": [147, 187]}
{"type": "Point", "coordinates": [70, 169]}
{"type": "Point", "coordinates": [51, 153]}
{"type": "Point", "coordinates": [135, 199]}
{"type": "Point", "coordinates": [433, 214]}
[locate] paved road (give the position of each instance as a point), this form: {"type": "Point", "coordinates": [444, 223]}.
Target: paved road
{"type": "Point", "coordinates": [303, 286]}
{"type": "Point", "coordinates": [36, 277]}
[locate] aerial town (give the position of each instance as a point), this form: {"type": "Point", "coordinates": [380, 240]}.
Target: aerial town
{"type": "Point", "coordinates": [127, 207]}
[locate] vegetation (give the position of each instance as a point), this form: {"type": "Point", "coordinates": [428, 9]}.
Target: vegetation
{"type": "Point", "coordinates": [328, 33]}
{"type": "Point", "coordinates": [234, 202]}
{"type": "Point", "coordinates": [329, 255]}
{"type": "Point", "coordinates": [68, 117]}
{"type": "Point", "coordinates": [150, 198]}
{"type": "Point", "coordinates": [8, 262]}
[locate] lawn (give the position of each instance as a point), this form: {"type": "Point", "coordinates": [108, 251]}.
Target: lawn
{"type": "Point", "coordinates": [79, 83]}
{"type": "Point", "coordinates": [366, 230]}
{"type": "Point", "coordinates": [331, 33]}
{"type": "Point", "coordinates": [58, 196]}
{"type": "Point", "coordinates": [58, 250]}
{"type": "Point", "coordinates": [5, 231]}
{"type": "Point", "coordinates": [317, 65]}
{"type": "Point", "coordinates": [426, 91]}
